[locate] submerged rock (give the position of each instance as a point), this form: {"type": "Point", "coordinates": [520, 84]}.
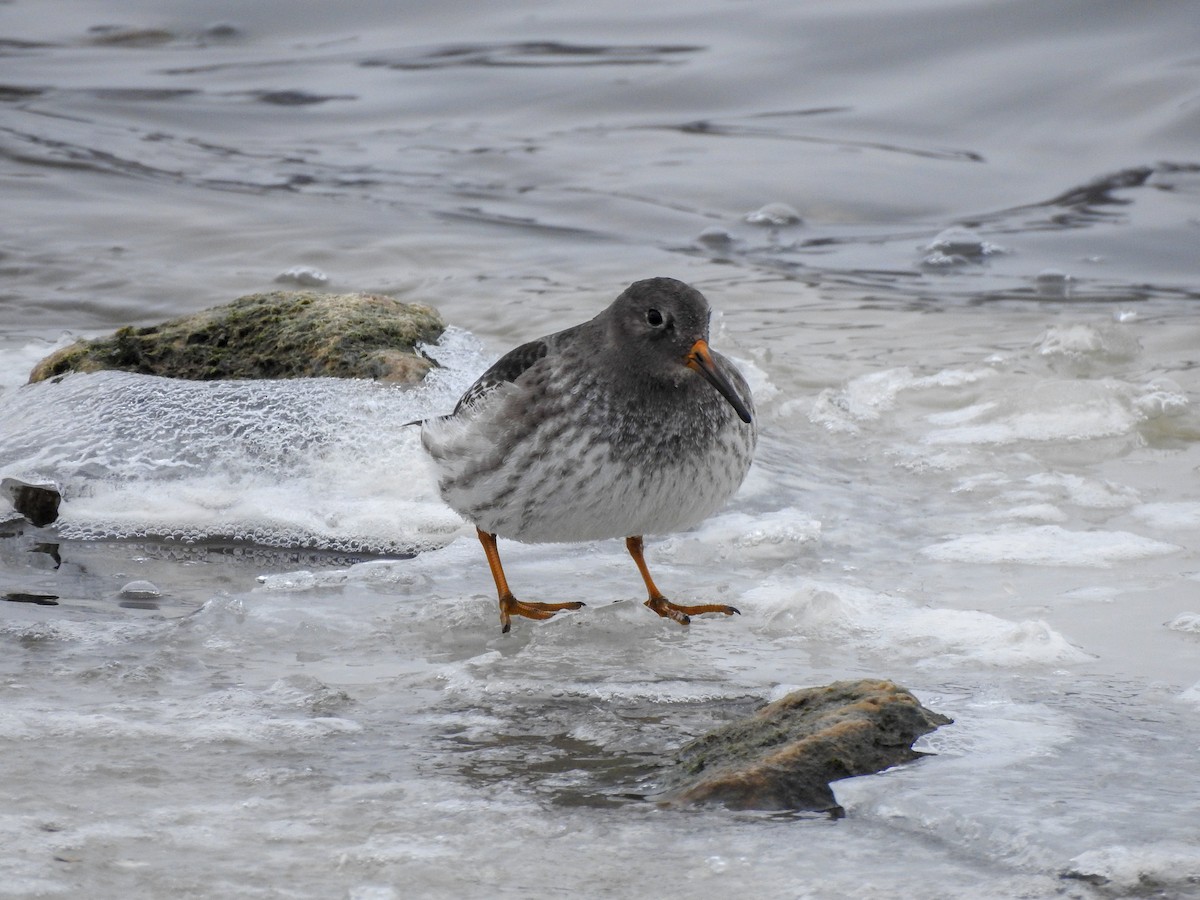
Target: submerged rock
{"type": "Point", "coordinates": [784, 756]}
{"type": "Point", "coordinates": [280, 334]}
{"type": "Point", "coordinates": [36, 502]}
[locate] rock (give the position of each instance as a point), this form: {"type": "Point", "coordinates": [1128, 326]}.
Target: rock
{"type": "Point", "coordinates": [36, 502]}
{"type": "Point", "coordinates": [280, 334]}
{"type": "Point", "coordinates": [784, 756]}
{"type": "Point", "coordinates": [35, 599]}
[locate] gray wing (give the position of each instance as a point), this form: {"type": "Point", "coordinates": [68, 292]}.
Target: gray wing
{"type": "Point", "coordinates": [505, 370]}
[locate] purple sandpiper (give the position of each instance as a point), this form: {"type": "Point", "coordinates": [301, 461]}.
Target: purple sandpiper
{"type": "Point", "coordinates": [622, 426]}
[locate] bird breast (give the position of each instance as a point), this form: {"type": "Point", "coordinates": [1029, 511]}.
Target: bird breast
{"type": "Point", "coordinates": [591, 465]}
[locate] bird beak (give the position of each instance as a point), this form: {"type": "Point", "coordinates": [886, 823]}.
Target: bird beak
{"type": "Point", "coordinates": [701, 360]}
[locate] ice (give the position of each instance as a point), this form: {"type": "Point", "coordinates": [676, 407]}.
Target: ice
{"type": "Point", "coordinates": [779, 535]}
{"type": "Point", "coordinates": [18, 360]}
{"type": "Point", "coordinates": [961, 242]}
{"type": "Point", "coordinates": [323, 463]}
{"type": "Point", "coordinates": [1163, 867]}
{"type": "Point", "coordinates": [1169, 516]}
{"type": "Point", "coordinates": [865, 399]}
{"type": "Point", "coordinates": [956, 418]}
{"type": "Point", "coordinates": [293, 723]}
{"type": "Point", "coordinates": [956, 246]}
{"type": "Point", "coordinates": [305, 276]}
{"type": "Point", "coordinates": [1188, 623]}
{"type": "Point", "coordinates": [1161, 398]}
{"type": "Point", "coordinates": [1048, 411]}
{"type": "Point", "coordinates": [888, 623]}
{"type": "Point", "coordinates": [1049, 545]}
{"type": "Point", "coordinates": [1082, 346]}
{"type": "Point", "coordinates": [761, 388]}
{"type": "Point", "coordinates": [1033, 512]}
{"type": "Point", "coordinates": [1091, 493]}
{"type": "Point", "coordinates": [774, 214]}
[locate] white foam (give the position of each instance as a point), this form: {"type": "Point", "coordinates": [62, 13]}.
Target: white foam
{"type": "Point", "coordinates": [1049, 545]}
{"type": "Point", "coordinates": [1016, 408]}
{"type": "Point", "coordinates": [894, 625]}
{"type": "Point", "coordinates": [1080, 344]}
{"type": "Point", "coordinates": [1138, 867]}
{"type": "Point", "coordinates": [1033, 512]}
{"type": "Point", "coordinates": [777, 535]}
{"type": "Point", "coordinates": [321, 462]}
{"type": "Point", "coordinates": [1092, 493]}
{"type": "Point", "coordinates": [962, 416]}
{"type": "Point", "coordinates": [17, 361]}
{"type": "Point", "coordinates": [1046, 410]}
{"type": "Point", "coordinates": [762, 389]}
{"type": "Point", "coordinates": [232, 715]}
{"type": "Point", "coordinates": [866, 398]}
{"type": "Point", "coordinates": [1170, 516]}
{"type": "Point", "coordinates": [1161, 398]}
{"type": "Point", "coordinates": [414, 572]}
{"type": "Point", "coordinates": [1188, 623]}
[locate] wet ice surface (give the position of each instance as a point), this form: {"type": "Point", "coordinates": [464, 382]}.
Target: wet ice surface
{"type": "Point", "coordinates": [967, 318]}
{"type": "Point", "coordinates": [359, 720]}
{"type": "Point", "coordinates": [295, 463]}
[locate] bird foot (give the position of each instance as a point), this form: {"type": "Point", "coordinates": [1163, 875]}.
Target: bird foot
{"type": "Point", "coordinates": [511, 606]}
{"type": "Point", "coordinates": [683, 614]}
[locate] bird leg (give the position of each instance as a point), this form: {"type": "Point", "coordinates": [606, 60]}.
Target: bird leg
{"type": "Point", "coordinates": [661, 604]}
{"type": "Point", "coordinates": [510, 605]}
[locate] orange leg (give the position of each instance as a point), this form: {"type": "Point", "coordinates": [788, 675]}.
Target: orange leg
{"type": "Point", "coordinates": [510, 605]}
{"type": "Point", "coordinates": [661, 604]}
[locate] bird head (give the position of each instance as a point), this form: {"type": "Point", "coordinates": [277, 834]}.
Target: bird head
{"type": "Point", "coordinates": [666, 323]}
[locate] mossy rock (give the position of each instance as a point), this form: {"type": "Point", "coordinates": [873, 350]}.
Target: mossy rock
{"type": "Point", "coordinates": [784, 756]}
{"type": "Point", "coordinates": [280, 334]}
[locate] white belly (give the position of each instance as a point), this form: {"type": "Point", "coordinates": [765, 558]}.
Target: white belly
{"type": "Point", "coordinates": [579, 489]}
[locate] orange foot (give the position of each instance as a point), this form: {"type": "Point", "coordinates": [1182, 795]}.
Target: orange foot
{"type": "Point", "coordinates": [511, 606]}
{"type": "Point", "coordinates": [682, 614]}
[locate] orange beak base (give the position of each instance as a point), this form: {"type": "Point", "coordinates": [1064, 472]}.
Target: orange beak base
{"type": "Point", "coordinates": [701, 360]}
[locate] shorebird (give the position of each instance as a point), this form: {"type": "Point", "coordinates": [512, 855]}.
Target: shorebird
{"type": "Point", "coordinates": [622, 426]}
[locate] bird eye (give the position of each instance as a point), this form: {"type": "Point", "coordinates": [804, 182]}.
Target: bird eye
{"type": "Point", "coordinates": [654, 317]}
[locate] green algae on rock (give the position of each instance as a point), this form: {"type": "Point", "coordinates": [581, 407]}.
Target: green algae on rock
{"type": "Point", "coordinates": [784, 756]}
{"type": "Point", "coordinates": [279, 334]}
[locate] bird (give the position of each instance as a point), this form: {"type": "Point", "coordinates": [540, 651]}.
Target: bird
{"type": "Point", "coordinates": [625, 425]}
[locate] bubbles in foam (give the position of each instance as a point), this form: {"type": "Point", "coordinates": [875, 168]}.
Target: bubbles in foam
{"type": "Point", "coordinates": [322, 462]}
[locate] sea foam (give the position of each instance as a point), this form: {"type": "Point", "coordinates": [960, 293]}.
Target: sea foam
{"type": "Point", "coordinates": [322, 462]}
{"type": "Point", "coordinates": [1049, 545]}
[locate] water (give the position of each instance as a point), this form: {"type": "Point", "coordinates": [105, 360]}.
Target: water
{"type": "Point", "coordinates": [974, 357]}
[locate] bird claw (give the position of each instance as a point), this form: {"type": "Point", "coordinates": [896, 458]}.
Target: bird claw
{"type": "Point", "coordinates": [682, 614]}
{"type": "Point", "coordinates": [511, 606]}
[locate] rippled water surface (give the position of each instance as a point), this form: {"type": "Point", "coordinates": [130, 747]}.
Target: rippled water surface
{"type": "Point", "coordinates": [952, 245]}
